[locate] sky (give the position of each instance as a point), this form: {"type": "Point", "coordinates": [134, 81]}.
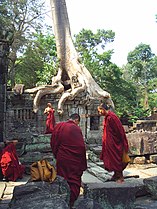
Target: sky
{"type": "Point", "coordinates": [133, 22]}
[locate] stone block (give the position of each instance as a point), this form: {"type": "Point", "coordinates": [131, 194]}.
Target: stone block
{"type": "Point", "coordinates": [139, 160]}
{"type": "Point", "coordinates": [41, 195]}
{"type": "Point", "coordinates": [142, 142]}
{"type": "Point", "coordinates": [112, 195]}
{"type": "Point", "coordinates": [145, 203]}
{"type": "Point", "coordinates": [89, 178]}
{"type": "Point", "coordinates": [45, 138]}
{"type": "Point", "coordinates": [3, 206]}
{"type": "Point", "coordinates": [2, 188]}
{"type": "Point", "coordinates": [151, 185]}
{"type": "Point", "coordinates": [3, 78]}
{"type": "Point", "coordinates": [30, 157]}
{"type": "Point", "coordinates": [7, 198]}
{"type": "Point", "coordinates": [9, 191]}
{"type": "Point", "coordinates": [153, 159]}
{"type": "Point", "coordinates": [2, 88]}
{"type": "Point", "coordinates": [41, 147]}
{"type": "Point", "coordinates": [87, 203]}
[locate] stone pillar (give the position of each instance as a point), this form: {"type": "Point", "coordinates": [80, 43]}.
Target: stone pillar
{"type": "Point", "coordinates": [4, 50]}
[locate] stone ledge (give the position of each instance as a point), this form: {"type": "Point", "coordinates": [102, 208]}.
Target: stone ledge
{"type": "Point", "coordinates": [2, 188]}
{"type": "Point", "coordinates": [112, 195]}
{"type": "Point", "coordinates": [151, 184]}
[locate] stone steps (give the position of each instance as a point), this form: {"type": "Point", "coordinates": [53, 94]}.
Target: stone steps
{"type": "Point", "coordinates": [37, 149]}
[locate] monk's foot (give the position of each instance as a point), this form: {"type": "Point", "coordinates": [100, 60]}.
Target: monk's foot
{"type": "Point", "coordinates": [113, 178]}
{"type": "Point", "coordinates": [120, 180]}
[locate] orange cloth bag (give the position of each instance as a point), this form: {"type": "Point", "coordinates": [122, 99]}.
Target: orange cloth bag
{"type": "Point", "coordinates": [125, 157]}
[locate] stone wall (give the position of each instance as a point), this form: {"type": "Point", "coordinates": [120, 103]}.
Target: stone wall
{"type": "Point", "coordinates": [143, 137]}
{"type": "Point", "coordinates": [22, 122]}
{"type": "Point", "coordinates": [4, 49]}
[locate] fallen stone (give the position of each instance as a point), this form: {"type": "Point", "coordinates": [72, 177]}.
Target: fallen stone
{"type": "Point", "coordinates": [87, 203]}
{"type": "Point", "coordinates": [2, 188]}
{"type": "Point", "coordinates": [145, 203]}
{"type": "Point", "coordinates": [112, 195]}
{"type": "Point", "coordinates": [151, 184]}
{"type": "Point", "coordinates": [89, 178]}
{"type": "Point", "coordinates": [40, 194]}
{"type": "Point", "coordinates": [153, 158]}
{"type": "Point", "coordinates": [139, 160]}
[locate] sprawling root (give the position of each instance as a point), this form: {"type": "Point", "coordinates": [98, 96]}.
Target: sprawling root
{"type": "Point", "coordinates": [42, 91]}
{"type": "Point", "coordinates": [80, 82]}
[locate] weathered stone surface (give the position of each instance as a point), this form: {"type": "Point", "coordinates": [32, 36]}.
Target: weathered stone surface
{"type": "Point", "coordinates": [139, 160]}
{"type": "Point", "coordinates": [99, 172]}
{"type": "Point", "coordinates": [38, 147]}
{"type": "Point", "coordinates": [151, 184]}
{"type": "Point", "coordinates": [89, 178]}
{"type": "Point", "coordinates": [112, 195]}
{"type": "Point", "coordinates": [145, 203]}
{"type": "Point", "coordinates": [2, 188]}
{"type": "Point", "coordinates": [30, 157]}
{"type": "Point", "coordinates": [22, 122]}
{"type": "Point", "coordinates": [87, 203]}
{"type": "Point", "coordinates": [46, 202]}
{"type": "Point", "coordinates": [142, 142]}
{"type": "Point", "coordinates": [41, 195]}
{"type": "Point", "coordinates": [42, 138]}
{"type": "Point", "coordinates": [153, 159]}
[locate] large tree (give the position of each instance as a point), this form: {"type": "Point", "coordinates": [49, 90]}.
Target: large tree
{"type": "Point", "coordinates": [142, 69]}
{"type": "Point", "coordinates": [71, 72]}
{"type": "Point", "coordinates": [92, 50]}
{"type": "Point", "coordinates": [38, 62]}
{"type": "Point", "coordinates": [21, 17]}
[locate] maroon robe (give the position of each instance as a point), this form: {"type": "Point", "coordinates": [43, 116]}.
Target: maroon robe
{"type": "Point", "coordinates": [114, 142]}
{"type": "Point", "coordinates": [50, 121]}
{"type": "Point", "coordinates": [68, 147]}
{"type": "Point", "coordinates": [11, 168]}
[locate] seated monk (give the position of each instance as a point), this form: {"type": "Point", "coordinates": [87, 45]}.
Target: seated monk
{"type": "Point", "coordinates": [9, 163]}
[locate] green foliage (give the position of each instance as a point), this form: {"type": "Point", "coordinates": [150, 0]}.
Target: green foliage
{"type": "Point", "coordinates": [138, 113]}
{"type": "Point", "coordinates": [90, 45]}
{"type": "Point", "coordinates": [22, 18]}
{"type": "Point", "coordinates": [142, 52]}
{"type": "Point", "coordinates": [91, 48]}
{"type": "Point", "coordinates": [142, 70]}
{"type": "Point", "coordinates": [38, 63]}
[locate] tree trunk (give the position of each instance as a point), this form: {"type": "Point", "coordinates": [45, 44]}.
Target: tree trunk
{"type": "Point", "coordinates": [145, 103]}
{"type": "Point", "coordinates": [72, 77]}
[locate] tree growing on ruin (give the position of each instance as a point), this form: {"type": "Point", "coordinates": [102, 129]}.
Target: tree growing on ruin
{"type": "Point", "coordinates": [72, 77]}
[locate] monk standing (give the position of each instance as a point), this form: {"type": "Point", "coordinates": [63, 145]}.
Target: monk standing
{"type": "Point", "coordinates": [50, 120]}
{"type": "Point", "coordinates": [114, 144]}
{"type": "Point", "coordinates": [68, 147]}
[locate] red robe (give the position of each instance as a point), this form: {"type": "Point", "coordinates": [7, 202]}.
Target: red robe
{"type": "Point", "coordinates": [68, 147]}
{"type": "Point", "coordinates": [11, 168]}
{"type": "Point", "coordinates": [114, 142]}
{"type": "Point", "coordinates": [50, 121]}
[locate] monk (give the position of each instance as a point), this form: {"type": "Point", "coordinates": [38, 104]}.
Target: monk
{"type": "Point", "coordinates": [50, 120]}
{"type": "Point", "coordinates": [12, 169]}
{"type": "Point", "coordinates": [68, 147]}
{"type": "Point", "coordinates": [114, 144]}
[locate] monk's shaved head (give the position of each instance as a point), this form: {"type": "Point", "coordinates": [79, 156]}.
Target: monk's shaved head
{"type": "Point", "coordinates": [75, 116]}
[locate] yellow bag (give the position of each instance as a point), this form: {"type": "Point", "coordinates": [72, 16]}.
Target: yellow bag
{"type": "Point", "coordinates": [42, 171]}
{"type": "Point", "coordinates": [125, 157]}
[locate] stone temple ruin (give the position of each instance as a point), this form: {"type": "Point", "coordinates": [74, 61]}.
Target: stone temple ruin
{"type": "Point", "coordinates": [21, 122]}
{"type": "Point", "coordinates": [18, 121]}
